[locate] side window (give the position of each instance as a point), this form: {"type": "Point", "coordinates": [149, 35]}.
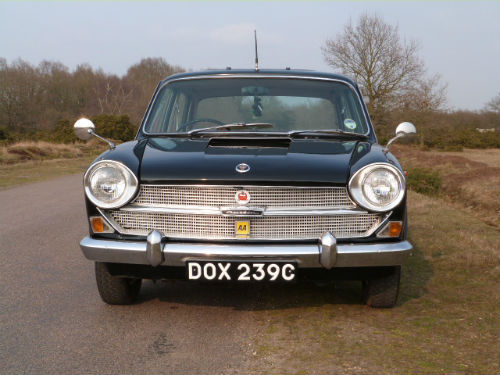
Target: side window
{"type": "Point", "coordinates": [350, 112]}
{"type": "Point", "coordinates": [159, 113]}
{"type": "Point", "coordinates": [179, 112]}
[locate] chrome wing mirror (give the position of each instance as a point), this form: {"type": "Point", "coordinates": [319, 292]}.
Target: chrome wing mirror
{"type": "Point", "coordinates": [404, 129]}
{"type": "Point", "coordinates": [85, 129]}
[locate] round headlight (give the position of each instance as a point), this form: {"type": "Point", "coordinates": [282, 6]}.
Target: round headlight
{"type": "Point", "coordinates": [110, 184]}
{"type": "Point", "coordinates": [378, 187]}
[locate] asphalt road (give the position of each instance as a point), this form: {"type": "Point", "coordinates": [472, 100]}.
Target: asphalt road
{"type": "Point", "coordinates": [52, 320]}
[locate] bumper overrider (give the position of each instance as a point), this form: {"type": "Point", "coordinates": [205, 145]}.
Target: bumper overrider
{"type": "Point", "coordinates": [327, 253]}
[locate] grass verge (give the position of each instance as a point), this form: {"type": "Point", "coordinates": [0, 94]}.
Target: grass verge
{"type": "Point", "coordinates": [33, 171]}
{"type": "Point", "coordinates": [446, 321]}
{"type": "Point", "coordinates": [40, 151]}
{"type": "Point", "coordinates": [26, 162]}
{"type": "Point", "coordinates": [469, 180]}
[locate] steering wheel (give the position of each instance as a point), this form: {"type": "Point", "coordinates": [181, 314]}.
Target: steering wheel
{"type": "Point", "coordinates": [192, 122]}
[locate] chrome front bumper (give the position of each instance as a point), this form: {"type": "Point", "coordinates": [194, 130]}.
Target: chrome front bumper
{"type": "Point", "coordinates": [326, 254]}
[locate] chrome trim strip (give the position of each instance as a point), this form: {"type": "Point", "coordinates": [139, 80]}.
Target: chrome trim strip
{"type": "Point", "coordinates": [382, 223]}
{"type": "Point", "coordinates": [306, 255]}
{"type": "Point", "coordinates": [113, 223]}
{"type": "Point", "coordinates": [250, 186]}
{"type": "Point", "coordinates": [257, 76]}
{"type": "Point", "coordinates": [174, 210]}
{"type": "Point", "coordinates": [242, 211]}
{"type": "Point", "coordinates": [375, 227]}
{"type": "Point", "coordinates": [382, 229]}
{"type": "Point", "coordinates": [222, 211]}
{"type": "Point", "coordinates": [314, 212]}
{"type": "Point", "coordinates": [110, 220]}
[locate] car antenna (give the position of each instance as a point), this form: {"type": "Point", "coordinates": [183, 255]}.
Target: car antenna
{"type": "Point", "coordinates": [256, 54]}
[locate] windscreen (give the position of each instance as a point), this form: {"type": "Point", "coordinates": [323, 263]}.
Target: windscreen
{"type": "Point", "coordinates": [288, 104]}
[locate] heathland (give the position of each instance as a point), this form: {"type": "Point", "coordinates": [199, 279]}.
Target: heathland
{"type": "Point", "coordinates": [447, 318]}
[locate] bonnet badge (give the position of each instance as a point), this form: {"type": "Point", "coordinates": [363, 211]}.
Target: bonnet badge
{"type": "Point", "coordinates": [242, 197]}
{"type": "Point", "coordinates": [242, 168]}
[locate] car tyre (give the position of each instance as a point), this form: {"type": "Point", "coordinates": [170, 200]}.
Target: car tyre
{"type": "Point", "coordinates": [382, 291]}
{"type": "Point", "coordinates": [116, 290]}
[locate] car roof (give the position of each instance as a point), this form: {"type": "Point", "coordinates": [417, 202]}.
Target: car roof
{"type": "Point", "coordinates": [262, 72]}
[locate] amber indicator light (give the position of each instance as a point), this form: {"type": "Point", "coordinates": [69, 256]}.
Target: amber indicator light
{"type": "Point", "coordinates": [395, 228]}
{"type": "Point", "coordinates": [97, 224]}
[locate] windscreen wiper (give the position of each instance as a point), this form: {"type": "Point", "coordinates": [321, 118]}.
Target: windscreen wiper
{"type": "Point", "coordinates": [235, 125]}
{"type": "Point", "coordinates": [328, 132]}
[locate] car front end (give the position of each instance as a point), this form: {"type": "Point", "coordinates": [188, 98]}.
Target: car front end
{"type": "Point", "coordinates": [249, 176]}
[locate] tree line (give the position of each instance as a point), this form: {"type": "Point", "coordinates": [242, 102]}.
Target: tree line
{"type": "Point", "coordinates": [42, 101]}
{"type": "Point", "coordinates": [36, 100]}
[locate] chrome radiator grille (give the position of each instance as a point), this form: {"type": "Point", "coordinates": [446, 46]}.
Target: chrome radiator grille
{"type": "Point", "coordinates": [286, 213]}
{"type": "Point", "coordinates": [221, 196]}
{"type": "Point", "coordinates": [262, 228]}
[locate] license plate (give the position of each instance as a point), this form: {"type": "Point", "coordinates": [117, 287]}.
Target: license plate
{"type": "Point", "coordinates": [241, 271]}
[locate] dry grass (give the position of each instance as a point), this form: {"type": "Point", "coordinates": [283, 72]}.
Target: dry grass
{"type": "Point", "coordinates": [471, 179]}
{"type": "Point", "coordinates": [446, 321]}
{"type": "Point", "coordinates": [38, 151]}
{"type": "Point", "coordinates": [448, 316]}
{"type": "Point", "coordinates": [33, 171]}
{"type": "Point", "coordinates": [489, 156]}
{"type": "Point", "coordinates": [26, 162]}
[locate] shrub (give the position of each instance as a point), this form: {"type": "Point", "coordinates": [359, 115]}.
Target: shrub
{"type": "Point", "coordinates": [6, 136]}
{"type": "Point", "coordinates": [114, 127]}
{"type": "Point", "coordinates": [63, 133]}
{"type": "Point", "coordinates": [108, 126]}
{"type": "Point", "coordinates": [454, 139]}
{"type": "Point", "coordinates": [424, 180]}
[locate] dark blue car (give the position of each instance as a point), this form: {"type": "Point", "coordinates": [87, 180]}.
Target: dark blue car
{"type": "Point", "coordinates": [248, 176]}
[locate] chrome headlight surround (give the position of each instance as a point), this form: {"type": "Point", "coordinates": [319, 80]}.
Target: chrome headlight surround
{"type": "Point", "coordinates": [360, 188]}
{"type": "Point", "coordinates": [123, 182]}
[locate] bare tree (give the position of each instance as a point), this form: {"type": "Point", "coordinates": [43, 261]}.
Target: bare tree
{"type": "Point", "coordinates": [494, 104]}
{"type": "Point", "coordinates": [144, 76]}
{"type": "Point", "coordinates": [112, 94]}
{"type": "Point", "coordinates": [422, 95]}
{"type": "Point", "coordinates": [20, 94]}
{"type": "Point", "coordinates": [387, 67]}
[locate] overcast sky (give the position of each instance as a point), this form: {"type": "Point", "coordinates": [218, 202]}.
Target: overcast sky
{"type": "Point", "coordinates": [459, 39]}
